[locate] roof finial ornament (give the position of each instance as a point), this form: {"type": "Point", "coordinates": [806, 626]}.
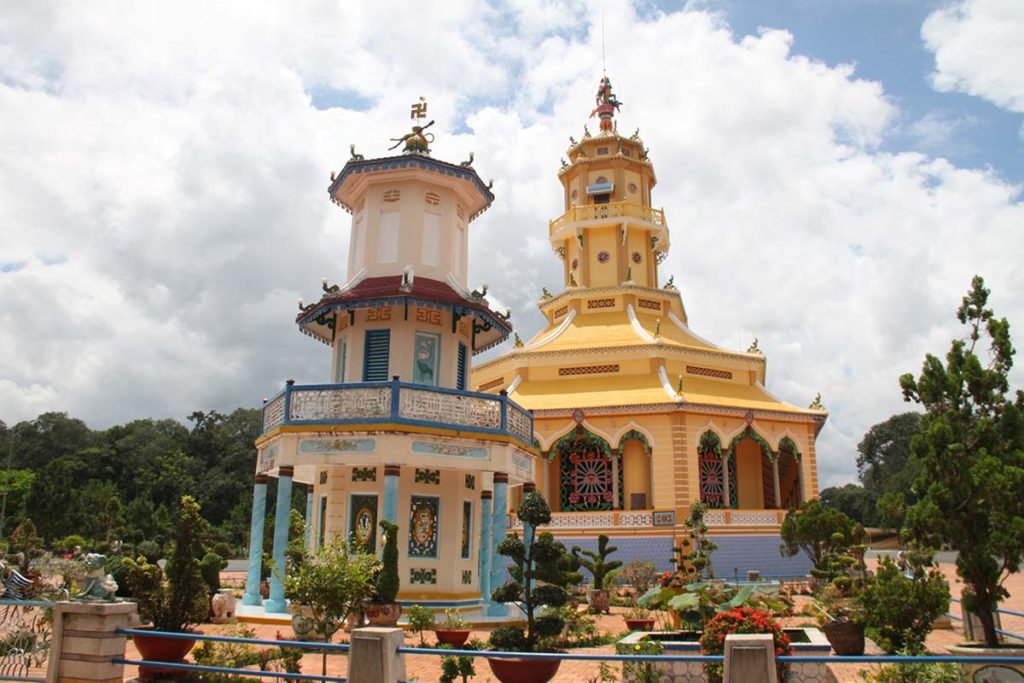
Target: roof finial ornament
{"type": "Point", "coordinates": [416, 142]}
{"type": "Point", "coordinates": [607, 105]}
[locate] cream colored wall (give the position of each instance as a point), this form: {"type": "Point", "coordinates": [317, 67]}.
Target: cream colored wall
{"type": "Point", "coordinates": [636, 473]}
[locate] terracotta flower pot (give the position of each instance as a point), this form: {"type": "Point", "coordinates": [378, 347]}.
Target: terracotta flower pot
{"type": "Point", "coordinates": [454, 637]}
{"type": "Point", "coordinates": [846, 638]}
{"type": "Point", "coordinates": [639, 624]}
{"type": "Point", "coordinates": [383, 614]}
{"type": "Point", "coordinates": [599, 600]}
{"type": "Point", "coordinates": [524, 670]}
{"type": "Point", "coordinates": [157, 648]}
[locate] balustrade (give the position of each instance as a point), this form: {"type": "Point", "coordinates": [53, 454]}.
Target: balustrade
{"type": "Point", "coordinates": [590, 212]}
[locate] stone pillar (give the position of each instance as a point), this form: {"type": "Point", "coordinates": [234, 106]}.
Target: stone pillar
{"type": "Point", "coordinates": [276, 602]}
{"type": "Point", "coordinates": [750, 658]}
{"type": "Point", "coordinates": [374, 657]}
{"type": "Point", "coordinates": [309, 517]}
{"type": "Point", "coordinates": [84, 641]}
{"type": "Point", "coordinates": [392, 474]}
{"type": "Point", "coordinates": [499, 529]}
{"type": "Point", "coordinates": [725, 484]}
{"type": "Point", "coordinates": [775, 481]}
{"type": "Point", "coordinates": [259, 509]}
{"type": "Point", "coordinates": [484, 548]}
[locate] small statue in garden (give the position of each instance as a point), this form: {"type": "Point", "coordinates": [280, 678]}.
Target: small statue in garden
{"type": "Point", "coordinates": [98, 584]}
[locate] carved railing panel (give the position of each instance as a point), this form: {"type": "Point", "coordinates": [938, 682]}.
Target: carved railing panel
{"type": "Point", "coordinates": [591, 212]}
{"type": "Point", "coordinates": [520, 423]}
{"type": "Point", "coordinates": [340, 404]}
{"type": "Point", "coordinates": [453, 409]}
{"type": "Point", "coordinates": [273, 414]}
{"type": "Point", "coordinates": [26, 628]}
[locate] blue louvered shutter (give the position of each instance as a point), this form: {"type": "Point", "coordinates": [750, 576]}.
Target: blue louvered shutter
{"type": "Point", "coordinates": [462, 368]}
{"type": "Point", "coordinates": [375, 358]}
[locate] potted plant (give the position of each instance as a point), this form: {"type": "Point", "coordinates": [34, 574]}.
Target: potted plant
{"type": "Point", "coordinates": [540, 572]}
{"type": "Point", "coordinates": [382, 609]}
{"type": "Point", "coordinates": [330, 585]}
{"type": "Point", "coordinates": [741, 620]}
{"type": "Point", "coordinates": [419, 619]}
{"type": "Point", "coordinates": [597, 563]}
{"type": "Point", "coordinates": [172, 601]}
{"type": "Point", "coordinates": [639, 618]}
{"type": "Point", "coordinates": [969, 449]}
{"type": "Point", "coordinates": [453, 630]}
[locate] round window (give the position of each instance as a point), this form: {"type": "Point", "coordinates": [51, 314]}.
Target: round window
{"type": "Point", "coordinates": [632, 188]}
{"type": "Point", "coordinates": [575, 262]}
{"type": "Point", "coordinates": [636, 257]}
{"type": "Point", "coordinates": [603, 257]}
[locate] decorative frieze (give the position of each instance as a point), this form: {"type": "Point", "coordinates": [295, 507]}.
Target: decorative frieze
{"type": "Point", "coordinates": [650, 304]}
{"type": "Point", "coordinates": [588, 370]}
{"type": "Point", "coordinates": [427, 476]}
{"type": "Point", "coordinates": [471, 481]}
{"type": "Point", "coordinates": [422, 576]}
{"type": "Point", "coordinates": [431, 316]}
{"type": "Point", "coordinates": [467, 577]}
{"type": "Point", "coordinates": [708, 372]}
{"type": "Point", "coordinates": [451, 450]}
{"type": "Point", "coordinates": [601, 303]}
{"type": "Point", "coordinates": [382, 314]}
{"type": "Point", "coordinates": [328, 446]}
{"type": "Point", "coordinates": [560, 312]}
{"type": "Point", "coordinates": [492, 384]}
{"type": "Point", "coordinates": [364, 474]}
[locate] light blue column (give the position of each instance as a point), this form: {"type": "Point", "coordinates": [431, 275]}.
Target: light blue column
{"type": "Point", "coordinates": [499, 529]}
{"type": "Point", "coordinates": [528, 529]}
{"type": "Point", "coordinates": [392, 473]}
{"type": "Point", "coordinates": [484, 572]}
{"type": "Point", "coordinates": [276, 602]}
{"type": "Point", "coordinates": [259, 509]}
{"type": "Point", "coordinates": [309, 517]}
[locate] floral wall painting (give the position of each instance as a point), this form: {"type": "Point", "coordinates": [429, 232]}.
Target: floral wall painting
{"type": "Point", "coordinates": [424, 369]}
{"type": "Point", "coordinates": [363, 521]}
{"type": "Point", "coordinates": [423, 514]}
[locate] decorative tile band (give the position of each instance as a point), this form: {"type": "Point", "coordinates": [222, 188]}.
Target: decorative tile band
{"type": "Point", "coordinates": [426, 576]}
{"type": "Point", "coordinates": [364, 474]}
{"type": "Point", "coordinates": [329, 446]}
{"type": "Point", "coordinates": [470, 481]}
{"type": "Point", "coordinates": [649, 303]}
{"type": "Point", "coordinates": [601, 303]}
{"type": "Point", "coordinates": [428, 315]}
{"type": "Point", "coordinates": [452, 450]}
{"type": "Point", "coordinates": [493, 383]}
{"type": "Point", "coordinates": [561, 311]}
{"type": "Point", "coordinates": [708, 372]}
{"type": "Point", "coordinates": [427, 476]}
{"type": "Point", "coordinates": [467, 577]}
{"type": "Point", "coordinates": [588, 370]}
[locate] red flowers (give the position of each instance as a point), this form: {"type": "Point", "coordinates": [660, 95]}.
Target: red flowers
{"type": "Point", "coordinates": [741, 620]}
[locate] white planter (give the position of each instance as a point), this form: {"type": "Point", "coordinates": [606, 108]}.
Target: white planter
{"type": "Point", "coordinates": [990, 673]}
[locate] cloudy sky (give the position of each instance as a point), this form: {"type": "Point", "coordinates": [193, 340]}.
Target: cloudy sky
{"type": "Point", "coordinates": [834, 172]}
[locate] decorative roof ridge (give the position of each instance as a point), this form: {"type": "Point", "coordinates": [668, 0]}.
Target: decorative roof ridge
{"type": "Point", "coordinates": [684, 405]}
{"type": "Point", "coordinates": [404, 160]}
{"type": "Point", "coordinates": [675, 347]}
{"type": "Point", "coordinates": [570, 292]}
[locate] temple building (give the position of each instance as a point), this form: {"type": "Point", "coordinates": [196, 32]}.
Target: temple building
{"type": "Point", "coordinates": [393, 431]}
{"type": "Point", "coordinates": [637, 417]}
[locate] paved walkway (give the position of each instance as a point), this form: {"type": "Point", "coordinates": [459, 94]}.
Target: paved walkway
{"type": "Point", "coordinates": [426, 668]}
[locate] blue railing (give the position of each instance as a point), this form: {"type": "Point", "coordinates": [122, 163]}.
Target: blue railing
{"type": "Point", "coordinates": [397, 402]}
{"type": "Point", "coordinates": [999, 631]}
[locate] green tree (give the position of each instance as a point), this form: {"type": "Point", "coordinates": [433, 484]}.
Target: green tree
{"type": "Point", "coordinates": [899, 607]}
{"type": "Point", "coordinates": [853, 500]}
{"type": "Point", "coordinates": [885, 462]}
{"type": "Point", "coordinates": [818, 530]}
{"type": "Point", "coordinates": [971, 452]}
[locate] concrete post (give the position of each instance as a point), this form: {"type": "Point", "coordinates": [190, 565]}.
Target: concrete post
{"type": "Point", "coordinates": [750, 658]}
{"type": "Point", "coordinates": [499, 528]}
{"type": "Point", "coordinates": [276, 602]}
{"type": "Point", "coordinates": [392, 474]}
{"type": "Point", "coordinates": [259, 509]}
{"type": "Point", "coordinates": [84, 641]}
{"type": "Point", "coordinates": [484, 547]}
{"type": "Point", "coordinates": [309, 517]}
{"type": "Point", "coordinates": [374, 657]}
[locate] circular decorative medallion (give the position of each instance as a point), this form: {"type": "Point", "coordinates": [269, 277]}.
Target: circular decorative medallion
{"type": "Point", "coordinates": [575, 262]}
{"type": "Point", "coordinates": [637, 257]}
{"type": "Point", "coordinates": [603, 257]}
{"type": "Point", "coordinates": [749, 417]}
{"type": "Point", "coordinates": [363, 525]}
{"type": "Point", "coordinates": [577, 416]}
{"type": "Point", "coordinates": [632, 188]}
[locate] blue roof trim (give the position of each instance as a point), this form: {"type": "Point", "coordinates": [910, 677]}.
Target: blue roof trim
{"type": "Point", "coordinates": [357, 166]}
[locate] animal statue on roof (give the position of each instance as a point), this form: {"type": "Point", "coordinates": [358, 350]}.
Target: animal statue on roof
{"type": "Point", "coordinates": [416, 142]}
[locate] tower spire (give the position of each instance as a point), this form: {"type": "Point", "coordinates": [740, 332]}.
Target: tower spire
{"type": "Point", "coordinates": [607, 104]}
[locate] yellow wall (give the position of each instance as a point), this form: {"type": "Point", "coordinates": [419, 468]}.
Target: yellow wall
{"type": "Point", "coordinates": [748, 475]}
{"type": "Point", "coordinates": [636, 473]}
{"type": "Point", "coordinates": [598, 240]}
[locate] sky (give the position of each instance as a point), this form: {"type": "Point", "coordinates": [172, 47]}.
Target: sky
{"type": "Point", "coordinates": [833, 173]}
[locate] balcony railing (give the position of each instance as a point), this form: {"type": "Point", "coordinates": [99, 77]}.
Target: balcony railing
{"type": "Point", "coordinates": [648, 518]}
{"type": "Point", "coordinates": [744, 517]}
{"type": "Point", "coordinates": [399, 403]}
{"type": "Point", "coordinates": [590, 212]}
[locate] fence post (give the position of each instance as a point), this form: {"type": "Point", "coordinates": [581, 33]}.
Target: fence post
{"type": "Point", "coordinates": [750, 658]}
{"type": "Point", "coordinates": [373, 656]}
{"type": "Point", "coordinates": [84, 641]}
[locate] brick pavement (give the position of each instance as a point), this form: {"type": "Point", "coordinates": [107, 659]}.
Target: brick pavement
{"type": "Point", "coordinates": [426, 668]}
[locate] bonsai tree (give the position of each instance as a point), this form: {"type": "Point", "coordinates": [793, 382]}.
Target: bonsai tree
{"type": "Point", "coordinates": [695, 553]}
{"type": "Point", "coordinates": [971, 451]}
{"type": "Point", "coordinates": [420, 619]}
{"type": "Point", "coordinates": [385, 587]}
{"type": "Point", "coordinates": [818, 530]}
{"type": "Point", "coordinates": [174, 599]}
{"type": "Point", "coordinates": [332, 584]}
{"type": "Point", "coordinates": [210, 567]}
{"type": "Point", "coordinates": [597, 563]}
{"type": "Point", "coordinates": [899, 607]}
{"type": "Point", "coordinates": [540, 573]}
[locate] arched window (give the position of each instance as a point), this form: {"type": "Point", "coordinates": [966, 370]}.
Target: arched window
{"type": "Point", "coordinates": [717, 482]}
{"type": "Point", "coordinates": [590, 473]}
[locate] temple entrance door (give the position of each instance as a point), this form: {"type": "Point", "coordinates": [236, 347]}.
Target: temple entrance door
{"type": "Point", "coordinates": [750, 479]}
{"type": "Point", "coordinates": [789, 479]}
{"type": "Point", "coordinates": [636, 474]}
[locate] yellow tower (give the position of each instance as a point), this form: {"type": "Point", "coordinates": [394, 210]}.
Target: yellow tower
{"type": "Point", "coordinates": [637, 416]}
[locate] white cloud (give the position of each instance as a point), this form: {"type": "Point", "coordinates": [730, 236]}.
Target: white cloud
{"type": "Point", "coordinates": [978, 50]}
{"type": "Point", "coordinates": [164, 177]}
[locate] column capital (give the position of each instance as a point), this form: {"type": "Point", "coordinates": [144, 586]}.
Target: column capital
{"type": "Point", "coordinates": [486, 495]}
{"type": "Point", "coordinates": [309, 488]}
{"type": "Point", "coordinates": [529, 487]}
{"type": "Point", "coordinates": [501, 477]}
{"type": "Point", "coordinates": [286, 471]}
{"type": "Point", "coordinates": [261, 479]}
{"type": "Point", "coordinates": [392, 470]}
